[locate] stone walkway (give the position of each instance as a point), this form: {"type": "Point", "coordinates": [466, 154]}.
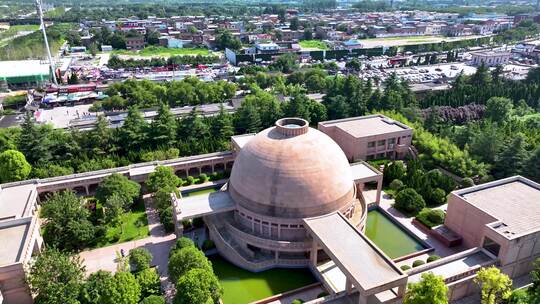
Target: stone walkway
{"type": "Point", "coordinates": [158, 243]}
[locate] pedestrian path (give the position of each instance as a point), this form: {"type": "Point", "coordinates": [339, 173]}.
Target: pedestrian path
{"type": "Point", "coordinates": [158, 243]}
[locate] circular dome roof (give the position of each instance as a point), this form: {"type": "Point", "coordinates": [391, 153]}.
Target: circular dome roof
{"type": "Point", "coordinates": [291, 171]}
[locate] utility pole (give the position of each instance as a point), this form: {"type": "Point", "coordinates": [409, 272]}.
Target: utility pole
{"type": "Point", "coordinates": [42, 25]}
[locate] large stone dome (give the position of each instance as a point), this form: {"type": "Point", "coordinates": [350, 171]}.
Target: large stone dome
{"type": "Point", "coordinates": [291, 171]}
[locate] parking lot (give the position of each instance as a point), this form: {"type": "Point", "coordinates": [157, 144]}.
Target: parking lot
{"type": "Point", "coordinates": [421, 74]}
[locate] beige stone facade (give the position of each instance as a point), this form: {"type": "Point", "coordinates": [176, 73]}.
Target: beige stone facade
{"type": "Point", "coordinates": [502, 217]}
{"type": "Point", "coordinates": [369, 137]}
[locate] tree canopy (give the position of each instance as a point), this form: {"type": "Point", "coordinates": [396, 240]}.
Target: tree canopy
{"type": "Point", "coordinates": [431, 289]}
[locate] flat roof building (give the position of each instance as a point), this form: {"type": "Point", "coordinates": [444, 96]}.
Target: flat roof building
{"type": "Point", "coordinates": [503, 217]}
{"type": "Point", "coordinates": [20, 239]}
{"type": "Point", "coordinates": [369, 137]}
{"type": "Point", "coordinates": [490, 58]}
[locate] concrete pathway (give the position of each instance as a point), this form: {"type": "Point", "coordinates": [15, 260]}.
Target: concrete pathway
{"type": "Point", "coordinates": [158, 243]}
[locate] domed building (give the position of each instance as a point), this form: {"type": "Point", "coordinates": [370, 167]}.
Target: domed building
{"type": "Point", "coordinates": [280, 177]}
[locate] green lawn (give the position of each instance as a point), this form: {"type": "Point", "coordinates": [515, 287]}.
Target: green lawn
{"type": "Point", "coordinates": [241, 286]}
{"type": "Point", "coordinates": [134, 226]}
{"type": "Point", "coordinates": [5, 36]}
{"type": "Point", "coordinates": [162, 51]}
{"type": "Point", "coordinates": [313, 44]}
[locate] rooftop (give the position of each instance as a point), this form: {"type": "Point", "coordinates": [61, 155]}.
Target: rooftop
{"type": "Point", "coordinates": [13, 237]}
{"type": "Point", "coordinates": [23, 68]}
{"type": "Point", "coordinates": [514, 201]}
{"type": "Point", "coordinates": [369, 125]}
{"type": "Point", "coordinates": [363, 171]}
{"type": "Point", "coordinates": [366, 264]}
{"type": "Point", "coordinates": [16, 201]}
{"type": "Point", "coordinates": [205, 204]}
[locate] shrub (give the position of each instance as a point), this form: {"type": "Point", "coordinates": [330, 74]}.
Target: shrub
{"type": "Point", "coordinates": [190, 180]}
{"type": "Point", "coordinates": [140, 258]}
{"type": "Point", "coordinates": [405, 267]}
{"type": "Point", "coordinates": [431, 217]}
{"type": "Point", "coordinates": [394, 170]}
{"type": "Point", "coordinates": [409, 201]}
{"type": "Point", "coordinates": [297, 301]}
{"type": "Point", "coordinates": [207, 245]}
{"type": "Point", "coordinates": [203, 178]}
{"type": "Point", "coordinates": [437, 197]}
{"type": "Point", "coordinates": [181, 243]}
{"type": "Point", "coordinates": [153, 299]}
{"type": "Point", "coordinates": [149, 281]}
{"type": "Point", "coordinates": [432, 258]}
{"type": "Point", "coordinates": [467, 182]}
{"type": "Point", "coordinates": [396, 185]}
{"type": "Point", "coordinates": [418, 263]}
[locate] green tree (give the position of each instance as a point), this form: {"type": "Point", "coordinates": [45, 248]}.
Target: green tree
{"type": "Point", "coordinates": [162, 177]}
{"type": "Point", "coordinates": [163, 128]}
{"type": "Point", "coordinates": [33, 141]}
{"type": "Point", "coordinates": [97, 287]}
{"type": "Point", "coordinates": [198, 286]}
{"type": "Point", "coordinates": [512, 159]}
{"type": "Point", "coordinates": [498, 109]}
{"type": "Point", "coordinates": [127, 289]}
{"type": "Point", "coordinates": [13, 166]}
{"type": "Point", "coordinates": [532, 166]}
{"type": "Point", "coordinates": [185, 259]}
{"type": "Point", "coordinates": [55, 277]}
{"type": "Point", "coordinates": [133, 133]}
{"type": "Point", "coordinates": [225, 39]}
{"type": "Point", "coordinates": [247, 118]}
{"type": "Point", "coordinates": [149, 281]}
{"type": "Point", "coordinates": [431, 289]}
{"type": "Point", "coordinates": [140, 258]}
{"type": "Point", "coordinates": [294, 24]}
{"type": "Point", "coordinates": [181, 243]}
{"type": "Point", "coordinates": [114, 209]}
{"type": "Point", "coordinates": [496, 286]}
{"type": "Point", "coordinates": [534, 289]}
{"type": "Point", "coordinates": [99, 141]}
{"type": "Point", "coordinates": [67, 224]}
{"type": "Point", "coordinates": [409, 201]}
{"type": "Point", "coordinates": [73, 79]}
{"type": "Point", "coordinates": [119, 184]}
{"type": "Point", "coordinates": [285, 63]}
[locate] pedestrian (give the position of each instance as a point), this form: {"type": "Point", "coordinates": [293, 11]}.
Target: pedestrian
{"type": "Point", "coordinates": [122, 253]}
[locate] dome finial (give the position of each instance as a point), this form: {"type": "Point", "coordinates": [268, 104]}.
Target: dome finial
{"type": "Point", "coordinates": [292, 126]}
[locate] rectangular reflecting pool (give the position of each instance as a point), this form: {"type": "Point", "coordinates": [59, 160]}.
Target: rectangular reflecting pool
{"type": "Point", "coordinates": [241, 286]}
{"type": "Point", "coordinates": [389, 237]}
{"type": "Point", "coordinates": [201, 191]}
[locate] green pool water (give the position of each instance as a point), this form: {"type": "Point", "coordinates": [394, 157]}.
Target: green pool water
{"type": "Point", "coordinates": [199, 192]}
{"type": "Point", "coordinates": [241, 286]}
{"type": "Point", "coordinates": [389, 237]}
